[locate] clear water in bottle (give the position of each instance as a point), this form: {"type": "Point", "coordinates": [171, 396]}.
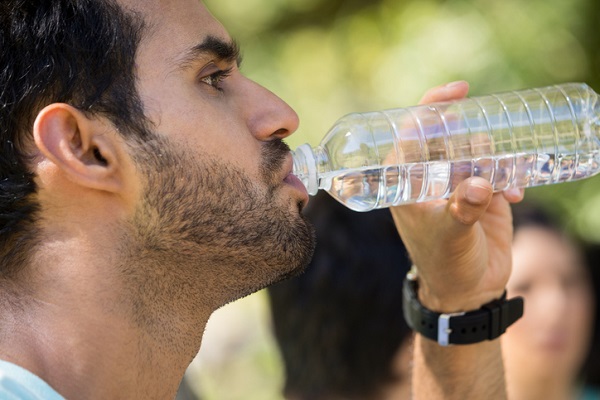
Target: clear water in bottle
{"type": "Point", "coordinates": [516, 139]}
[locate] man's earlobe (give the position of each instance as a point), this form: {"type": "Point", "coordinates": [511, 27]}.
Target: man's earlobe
{"type": "Point", "coordinates": [85, 150]}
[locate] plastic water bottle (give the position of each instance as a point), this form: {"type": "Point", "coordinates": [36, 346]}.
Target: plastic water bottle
{"type": "Point", "coordinates": [514, 139]}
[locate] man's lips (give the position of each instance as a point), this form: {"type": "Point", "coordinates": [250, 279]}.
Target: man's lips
{"type": "Point", "coordinates": [294, 181]}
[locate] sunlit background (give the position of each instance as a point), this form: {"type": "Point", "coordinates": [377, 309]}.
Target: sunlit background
{"type": "Point", "coordinates": [327, 58]}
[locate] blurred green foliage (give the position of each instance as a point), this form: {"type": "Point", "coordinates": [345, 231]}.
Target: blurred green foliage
{"type": "Point", "coordinates": [327, 58]}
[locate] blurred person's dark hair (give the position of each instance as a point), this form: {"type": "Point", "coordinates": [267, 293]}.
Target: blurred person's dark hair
{"type": "Point", "coordinates": [339, 326]}
{"type": "Point", "coordinates": [530, 214]}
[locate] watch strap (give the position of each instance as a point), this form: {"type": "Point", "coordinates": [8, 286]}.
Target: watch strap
{"type": "Point", "coordinates": [486, 323]}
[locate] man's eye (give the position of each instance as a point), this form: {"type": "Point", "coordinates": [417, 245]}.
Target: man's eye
{"type": "Point", "coordinates": [215, 79]}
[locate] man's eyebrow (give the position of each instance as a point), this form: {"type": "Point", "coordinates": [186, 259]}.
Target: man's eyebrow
{"type": "Point", "coordinates": [219, 49]}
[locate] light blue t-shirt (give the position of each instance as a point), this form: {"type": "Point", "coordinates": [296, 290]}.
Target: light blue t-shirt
{"type": "Point", "coordinates": [590, 393]}
{"type": "Point", "coordinates": [17, 383]}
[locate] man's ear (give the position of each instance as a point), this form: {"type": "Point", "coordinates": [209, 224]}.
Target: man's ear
{"type": "Point", "coordinates": [85, 150]}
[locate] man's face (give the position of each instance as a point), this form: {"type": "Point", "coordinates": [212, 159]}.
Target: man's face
{"type": "Point", "coordinates": [195, 95]}
{"type": "Point", "coordinates": [218, 185]}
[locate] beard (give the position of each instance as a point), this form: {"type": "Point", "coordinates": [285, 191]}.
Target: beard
{"type": "Point", "coordinates": [205, 234]}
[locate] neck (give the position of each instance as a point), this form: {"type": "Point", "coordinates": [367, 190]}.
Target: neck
{"type": "Point", "coordinates": [90, 335]}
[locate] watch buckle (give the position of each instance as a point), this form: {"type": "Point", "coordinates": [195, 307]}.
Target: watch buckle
{"type": "Point", "coordinates": [444, 331]}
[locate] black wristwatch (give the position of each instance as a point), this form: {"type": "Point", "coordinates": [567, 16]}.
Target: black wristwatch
{"type": "Point", "coordinates": [487, 323]}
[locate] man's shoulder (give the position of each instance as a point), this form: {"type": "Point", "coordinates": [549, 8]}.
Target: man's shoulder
{"type": "Point", "coordinates": [17, 383]}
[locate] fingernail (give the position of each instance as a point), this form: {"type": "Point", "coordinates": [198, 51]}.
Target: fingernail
{"type": "Point", "coordinates": [477, 194]}
{"type": "Point", "coordinates": [514, 192]}
{"type": "Point", "coordinates": [454, 84]}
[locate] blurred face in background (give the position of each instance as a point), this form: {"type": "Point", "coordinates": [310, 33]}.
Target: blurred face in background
{"type": "Point", "coordinates": [550, 342]}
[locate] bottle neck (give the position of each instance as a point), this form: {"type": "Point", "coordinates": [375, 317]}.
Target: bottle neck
{"type": "Point", "coordinates": [309, 165]}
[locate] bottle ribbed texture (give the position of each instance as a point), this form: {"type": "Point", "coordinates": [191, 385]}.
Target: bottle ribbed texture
{"type": "Point", "coordinates": [514, 139]}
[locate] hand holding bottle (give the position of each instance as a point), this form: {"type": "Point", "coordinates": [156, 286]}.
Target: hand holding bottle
{"type": "Point", "coordinates": [462, 249]}
{"type": "Point", "coordinates": [471, 231]}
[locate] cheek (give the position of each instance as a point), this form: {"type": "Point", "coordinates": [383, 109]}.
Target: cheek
{"type": "Point", "coordinates": [515, 345]}
{"type": "Point", "coordinates": [580, 315]}
{"type": "Point", "coordinates": [517, 336]}
{"type": "Point", "coordinates": [198, 119]}
{"type": "Point", "coordinates": [206, 126]}
{"type": "Point", "coordinates": [223, 139]}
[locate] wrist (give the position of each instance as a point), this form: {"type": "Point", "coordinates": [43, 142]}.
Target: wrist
{"type": "Point", "coordinates": [460, 325]}
{"type": "Point", "coordinates": [450, 297]}
{"type": "Point", "coordinates": [451, 302]}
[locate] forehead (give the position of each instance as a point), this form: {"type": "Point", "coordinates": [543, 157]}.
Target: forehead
{"type": "Point", "coordinates": [539, 251]}
{"type": "Point", "coordinates": [174, 26]}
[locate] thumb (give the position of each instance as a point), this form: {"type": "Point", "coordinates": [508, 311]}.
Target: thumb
{"type": "Point", "coordinates": [470, 201]}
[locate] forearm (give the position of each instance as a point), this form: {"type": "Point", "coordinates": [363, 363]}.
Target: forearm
{"type": "Point", "coordinates": [460, 281]}
{"type": "Point", "coordinates": [458, 372]}
{"type": "Point", "coordinates": [462, 247]}
{"type": "Point", "coordinates": [473, 371]}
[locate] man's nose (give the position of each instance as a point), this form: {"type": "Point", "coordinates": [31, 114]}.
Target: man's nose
{"type": "Point", "coordinates": [267, 116]}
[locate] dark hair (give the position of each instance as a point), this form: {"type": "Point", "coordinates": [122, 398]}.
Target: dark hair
{"type": "Point", "coordinates": [340, 324]}
{"type": "Point", "coordinates": [527, 214]}
{"type": "Point", "coordinates": [80, 52]}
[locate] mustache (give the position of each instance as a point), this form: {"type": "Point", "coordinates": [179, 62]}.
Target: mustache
{"type": "Point", "coordinates": [273, 155]}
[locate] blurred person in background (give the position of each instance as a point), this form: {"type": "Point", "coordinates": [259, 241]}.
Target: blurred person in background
{"type": "Point", "coordinates": [339, 325]}
{"type": "Point", "coordinates": [545, 351]}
